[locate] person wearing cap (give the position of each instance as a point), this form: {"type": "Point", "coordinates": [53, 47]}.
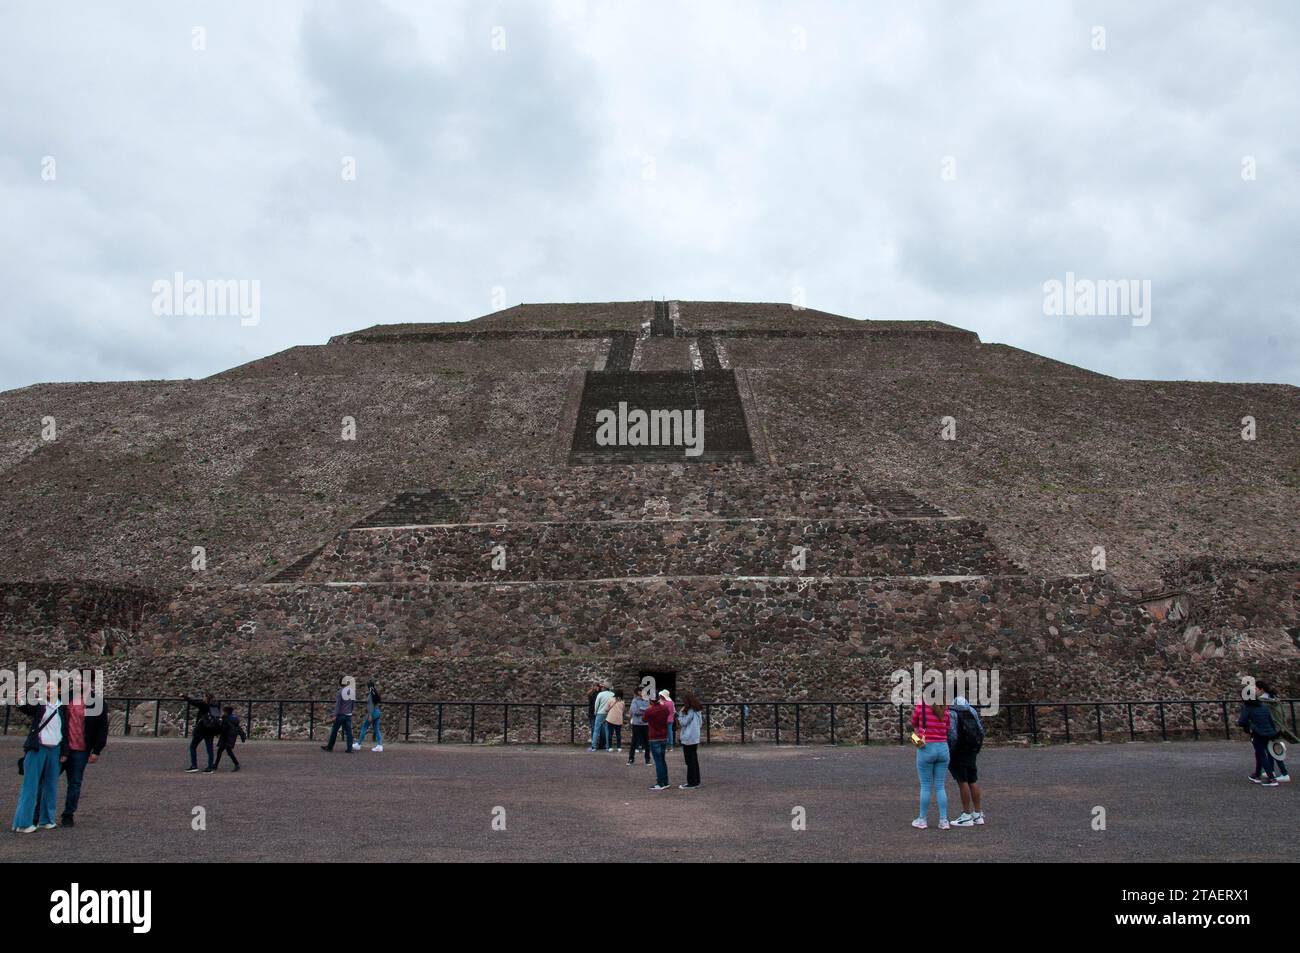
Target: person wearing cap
{"type": "Point", "coordinates": [672, 713]}
{"type": "Point", "coordinates": [965, 738]}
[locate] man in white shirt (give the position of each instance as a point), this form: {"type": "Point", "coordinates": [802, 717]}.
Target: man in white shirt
{"type": "Point", "coordinates": [603, 699]}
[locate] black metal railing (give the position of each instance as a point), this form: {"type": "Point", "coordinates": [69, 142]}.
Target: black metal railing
{"type": "Point", "coordinates": [797, 722]}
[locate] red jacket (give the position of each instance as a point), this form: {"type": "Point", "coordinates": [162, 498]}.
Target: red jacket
{"type": "Point", "coordinates": [657, 717]}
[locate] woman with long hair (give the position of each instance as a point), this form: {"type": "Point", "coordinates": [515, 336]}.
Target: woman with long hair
{"type": "Point", "coordinates": [930, 724]}
{"type": "Point", "coordinates": [689, 718]}
{"type": "Point", "coordinates": [207, 726]}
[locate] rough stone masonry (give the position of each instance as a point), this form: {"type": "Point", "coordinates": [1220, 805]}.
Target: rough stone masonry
{"type": "Point", "coordinates": [470, 542]}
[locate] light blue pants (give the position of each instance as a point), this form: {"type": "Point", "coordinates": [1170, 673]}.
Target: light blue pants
{"type": "Point", "coordinates": [40, 775]}
{"type": "Point", "coordinates": [598, 733]}
{"type": "Point", "coordinates": [931, 769]}
{"type": "Point", "coordinates": [371, 723]}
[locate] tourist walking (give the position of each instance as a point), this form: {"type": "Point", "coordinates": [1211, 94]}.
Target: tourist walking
{"type": "Point", "coordinates": [231, 732]}
{"type": "Point", "coordinates": [87, 737]}
{"type": "Point", "coordinates": [656, 719]}
{"type": "Point", "coordinates": [1284, 733]}
{"type": "Point", "coordinates": [672, 714]}
{"type": "Point", "coordinates": [43, 751]}
{"type": "Point", "coordinates": [640, 730]}
{"type": "Point", "coordinates": [599, 706]}
{"type": "Point", "coordinates": [207, 725]}
{"type": "Point", "coordinates": [1258, 723]}
{"type": "Point", "coordinates": [344, 699]}
{"type": "Point", "coordinates": [373, 715]}
{"type": "Point", "coordinates": [965, 739]}
{"type": "Point", "coordinates": [689, 718]}
{"type": "Point", "coordinates": [930, 729]}
{"type": "Point", "coordinates": [614, 722]}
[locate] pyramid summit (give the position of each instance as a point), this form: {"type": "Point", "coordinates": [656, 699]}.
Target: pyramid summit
{"type": "Point", "coordinates": [438, 504]}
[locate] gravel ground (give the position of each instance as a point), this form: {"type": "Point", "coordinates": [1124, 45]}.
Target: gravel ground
{"type": "Point", "coordinates": [1164, 802]}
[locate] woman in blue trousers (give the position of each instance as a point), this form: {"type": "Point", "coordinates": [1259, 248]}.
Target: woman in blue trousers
{"type": "Point", "coordinates": [46, 747]}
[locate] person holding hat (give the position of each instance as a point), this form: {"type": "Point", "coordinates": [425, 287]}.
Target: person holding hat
{"type": "Point", "coordinates": [672, 714]}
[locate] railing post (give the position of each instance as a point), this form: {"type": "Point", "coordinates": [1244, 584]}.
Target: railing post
{"type": "Point", "coordinates": [505, 723]}
{"type": "Point", "coordinates": [1099, 737]}
{"type": "Point", "coordinates": [833, 742]}
{"type": "Point", "coordinates": [1033, 724]}
{"type": "Point", "coordinates": [407, 726]}
{"type": "Point", "coordinates": [1196, 732]}
{"type": "Point", "coordinates": [311, 719]}
{"type": "Point", "coordinates": [1132, 735]}
{"type": "Point", "coordinates": [126, 720]}
{"type": "Point", "coordinates": [1066, 710]}
{"type": "Point", "coordinates": [439, 723]}
{"type": "Point", "coordinates": [539, 724]}
{"type": "Point", "coordinates": [900, 724]}
{"type": "Point", "coordinates": [157, 714]}
{"type": "Point", "coordinates": [1227, 734]}
{"type": "Point", "coordinates": [708, 724]}
{"type": "Point", "coordinates": [1160, 708]}
{"type": "Point", "coordinates": [279, 722]}
{"type": "Point", "coordinates": [6, 719]}
{"type": "Point", "coordinates": [866, 723]}
{"type": "Point", "coordinates": [743, 706]}
{"type": "Point", "coordinates": [776, 721]}
{"type": "Point", "coordinates": [573, 724]}
{"type": "Point", "coordinates": [185, 728]}
{"type": "Point", "coordinates": [473, 721]}
{"type": "Point", "coordinates": [797, 734]}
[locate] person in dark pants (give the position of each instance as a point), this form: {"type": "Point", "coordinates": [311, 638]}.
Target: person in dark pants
{"type": "Point", "coordinates": [689, 719]}
{"type": "Point", "coordinates": [1258, 723]}
{"type": "Point", "coordinates": [343, 702]}
{"type": "Point", "coordinates": [656, 720]}
{"type": "Point", "coordinates": [87, 736]}
{"type": "Point", "coordinates": [592, 692]}
{"type": "Point", "coordinates": [640, 735]}
{"type": "Point", "coordinates": [231, 731]}
{"type": "Point", "coordinates": [207, 725]}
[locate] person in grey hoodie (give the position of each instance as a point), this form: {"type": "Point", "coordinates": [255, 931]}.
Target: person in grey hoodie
{"type": "Point", "coordinates": [689, 718]}
{"type": "Point", "coordinates": [965, 738]}
{"type": "Point", "coordinates": [344, 699]}
{"type": "Point", "coordinates": [640, 730]}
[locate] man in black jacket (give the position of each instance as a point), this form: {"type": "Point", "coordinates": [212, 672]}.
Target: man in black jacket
{"type": "Point", "coordinates": [87, 734]}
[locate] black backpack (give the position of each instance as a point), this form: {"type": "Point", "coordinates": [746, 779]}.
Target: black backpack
{"type": "Point", "coordinates": [969, 736]}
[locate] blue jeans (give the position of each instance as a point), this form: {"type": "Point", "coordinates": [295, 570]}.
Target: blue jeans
{"type": "Point", "coordinates": [40, 777]}
{"type": "Point", "coordinates": [670, 734]}
{"type": "Point", "coordinates": [598, 733]}
{"type": "Point", "coordinates": [194, 748]}
{"type": "Point", "coordinates": [931, 767]}
{"type": "Point", "coordinates": [77, 761]}
{"type": "Point", "coordinates": [344, 722]}
{"type": "Point", "coordinates": [661, 763]}
{"type": "Point", "coordinates": [371, 723]}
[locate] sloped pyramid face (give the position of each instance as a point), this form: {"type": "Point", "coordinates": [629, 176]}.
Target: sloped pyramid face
{"type": "Point", "coordinates": [480, 537]}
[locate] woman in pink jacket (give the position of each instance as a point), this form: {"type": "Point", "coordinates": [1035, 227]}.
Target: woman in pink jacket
{"type": "Point", "coordinates": [931, 723]}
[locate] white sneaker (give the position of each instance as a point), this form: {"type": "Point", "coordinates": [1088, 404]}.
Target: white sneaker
{"type": "Point", "coordinates": [356, 746]}
{"type": "Point", "coordinates": [1283, 779]}
{"type": "Point", "coordinates": [943, 824]}
{"type": "Point", "coordinates": [660, 787]}
{"type": "Point", "coordinates": [978, 817]}
{"type": "Point", "coordinates": [377, 748]}
{"type": "Point", "coordinates": [965, 820]}
{"type": "Point", "coordinates": [48, 827]}
{"type": "Point", "coordinates": [920, 824]}
{"type": "Point", "coordinates": [25, 830]}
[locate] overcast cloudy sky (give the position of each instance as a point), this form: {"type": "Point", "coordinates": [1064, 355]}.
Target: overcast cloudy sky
{"type": "Point", "coordinates": [935, 161]}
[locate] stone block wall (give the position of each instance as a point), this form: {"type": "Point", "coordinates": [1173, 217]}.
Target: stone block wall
{"type": "Point", "coordinates": [608, 549]}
